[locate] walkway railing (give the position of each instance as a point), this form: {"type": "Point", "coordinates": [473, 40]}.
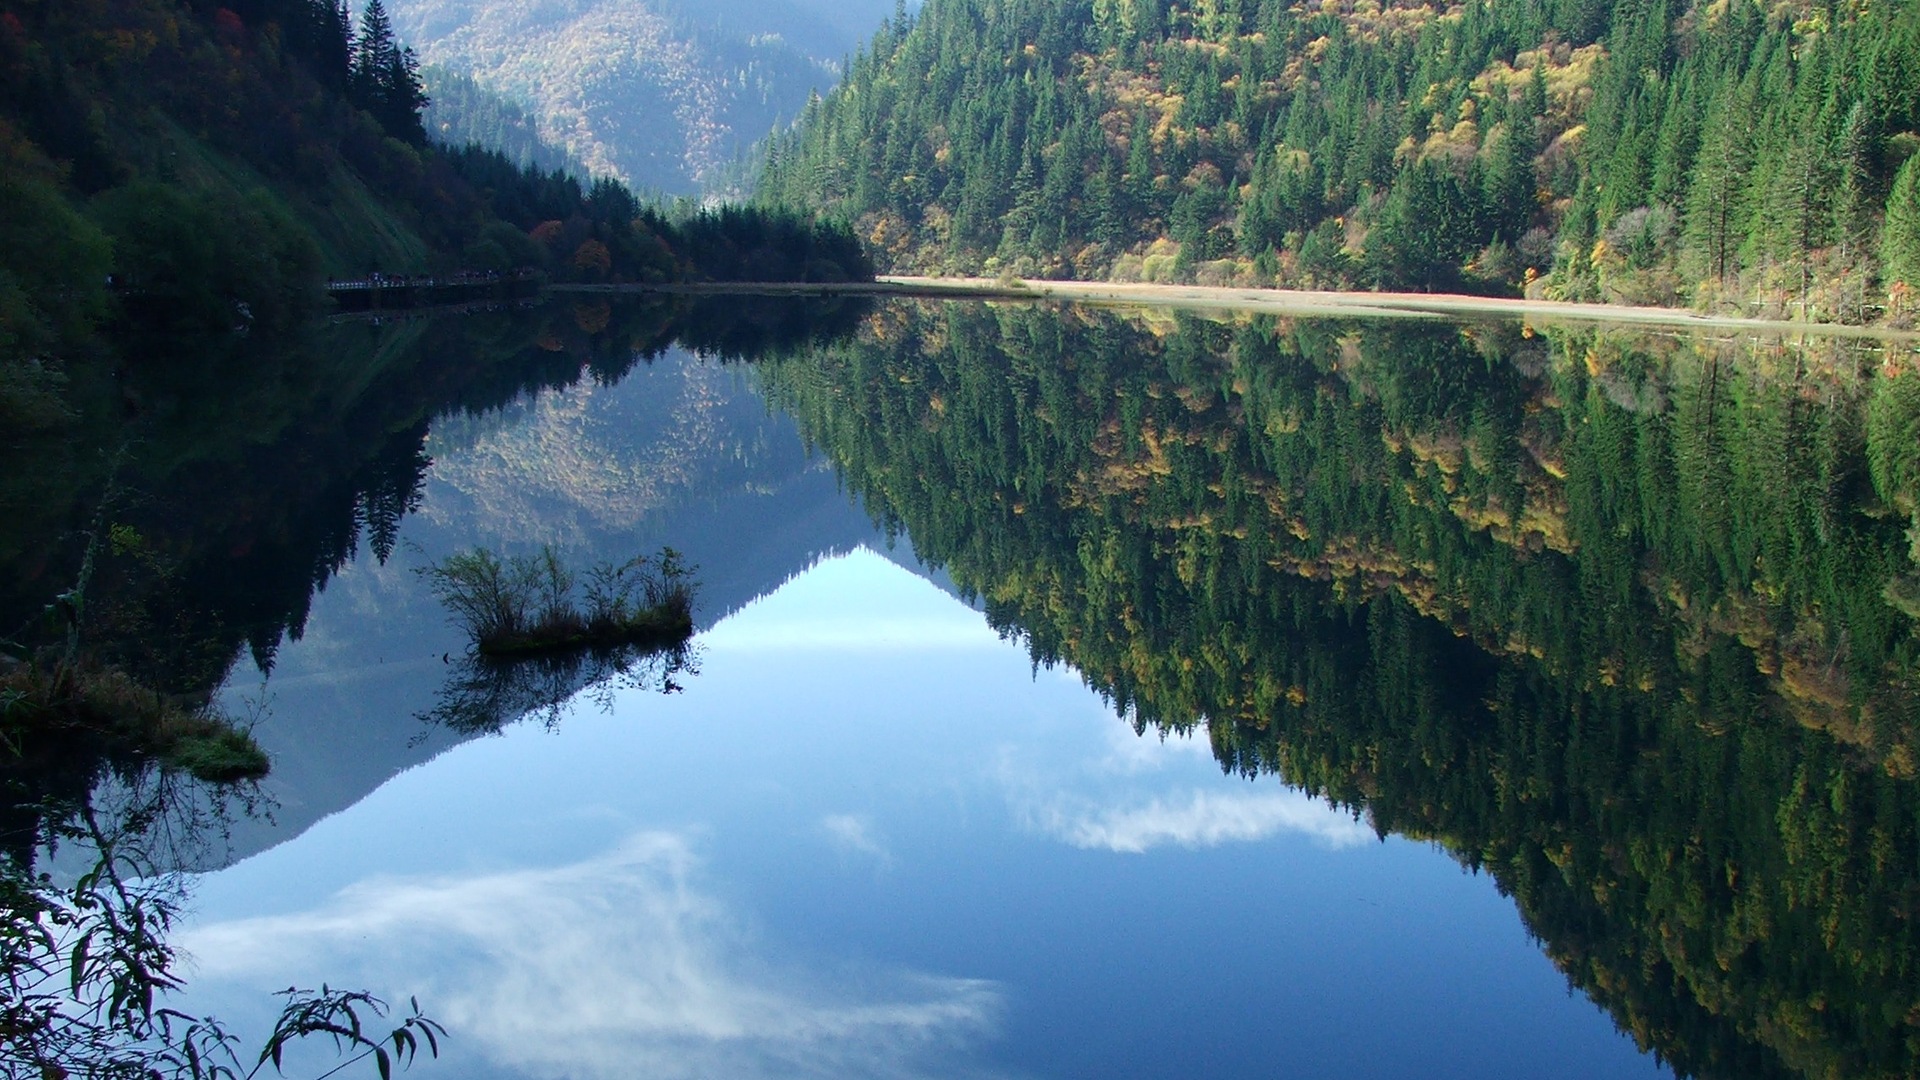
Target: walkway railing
{"type": "Point", "coordinates": [381, 291]}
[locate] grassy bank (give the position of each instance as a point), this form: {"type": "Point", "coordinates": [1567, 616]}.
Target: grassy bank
{"type": "Point", "coordinates": [46, 710]}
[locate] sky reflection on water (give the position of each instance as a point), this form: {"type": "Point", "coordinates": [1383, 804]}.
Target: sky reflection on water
{"type": "Point", "coordinates": [869, 840]}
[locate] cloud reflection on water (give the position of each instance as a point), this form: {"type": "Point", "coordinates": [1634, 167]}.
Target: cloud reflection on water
{"type": "Point", "coordinates": [855, 833]}
{"type": "Point", "coordinates": [615, 967]}
{"type": "Point", "coordinates": [1201, 819]}
{"type": "Point", "coordinates": [1137, 794]}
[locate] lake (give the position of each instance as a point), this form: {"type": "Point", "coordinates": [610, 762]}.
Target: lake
{"type": "Point", "coordinates": [1075, 692]}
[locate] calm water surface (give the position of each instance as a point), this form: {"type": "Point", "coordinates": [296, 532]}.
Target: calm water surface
{"type": "Point", "coordinates": [869, 840]}
{"type": "Point", "coordinates": [1082, 694]}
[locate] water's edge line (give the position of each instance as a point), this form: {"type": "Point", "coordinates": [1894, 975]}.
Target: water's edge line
{"type": "Point", "coordinates": [1272, 301]}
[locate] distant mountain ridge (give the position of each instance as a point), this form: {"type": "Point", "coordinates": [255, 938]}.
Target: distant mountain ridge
{"type": "Point", "coordinates": [659, 94]}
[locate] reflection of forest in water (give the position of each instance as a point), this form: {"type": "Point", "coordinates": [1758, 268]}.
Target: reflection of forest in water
{"type": "Point", "coordinates": [1628, 622]}
{"type": "Point", "coordinates": [173, 507]}
{"type": "Point", "coordinates": [238, 476]}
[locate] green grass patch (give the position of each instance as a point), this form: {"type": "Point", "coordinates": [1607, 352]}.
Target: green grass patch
{"type": "Point", "coordinates": [109, 707]}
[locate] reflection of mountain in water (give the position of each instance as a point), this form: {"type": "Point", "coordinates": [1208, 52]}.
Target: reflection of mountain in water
{"type": "Point", "coordinates": [682, 452]}
{"type": "Point", "coordinates": [247, 482]}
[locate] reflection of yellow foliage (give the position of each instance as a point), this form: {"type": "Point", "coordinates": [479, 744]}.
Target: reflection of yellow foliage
{"type": "Point", "coordinates": [1809, 675]}
{"type": "Point", "coordinates": [1899, 763]}
{"type": "Point", "coordinates": [1442, 448]}
{"type": "Point", "coordinates": [592, 318]}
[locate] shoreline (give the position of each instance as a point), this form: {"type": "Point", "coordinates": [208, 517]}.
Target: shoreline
{"type": "Point", "coordinates": [1296, 302]}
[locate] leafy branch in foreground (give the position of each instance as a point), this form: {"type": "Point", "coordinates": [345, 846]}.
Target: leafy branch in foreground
{"type": "Point", "coordinates": [82, 971]}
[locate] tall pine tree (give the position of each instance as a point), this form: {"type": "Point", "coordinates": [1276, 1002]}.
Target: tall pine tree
{"type": "Point", "coordinates": [1900, 238]}
{"type": "Point", "coordinates": [374, 56]}
{"type": "Point", "coordinates": [385, 78]}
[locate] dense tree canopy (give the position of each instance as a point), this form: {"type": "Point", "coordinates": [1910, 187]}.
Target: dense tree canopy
{"type": "Point", "coordinates": [1623, 150]}
{"type": "Point", "coordinates": [203, 166]}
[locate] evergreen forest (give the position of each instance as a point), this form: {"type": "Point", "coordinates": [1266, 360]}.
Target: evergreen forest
{"type": "Point", "coordinates": [183, 165]}
{"type": "Point", "coordinates": [1735, 156]}
{"type": "Point", "coordinates": [462, 112]}
{"type": "Point", "coordinates": [1627, 623]}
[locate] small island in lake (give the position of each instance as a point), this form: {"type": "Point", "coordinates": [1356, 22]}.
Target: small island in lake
{"type": "Point", "coordinates": [526, 605]}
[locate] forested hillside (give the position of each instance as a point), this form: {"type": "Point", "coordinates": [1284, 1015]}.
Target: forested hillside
{"type": "Point", "coordinates": [210, 155]}
{"type": "Point", "coordinates": [462, 112]}
{"type": "Point", "coordinates": [189, 166]}
{"type": "Point", "coordinates": [1654, 151]}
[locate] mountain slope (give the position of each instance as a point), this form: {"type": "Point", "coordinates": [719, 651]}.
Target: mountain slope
{"type": "Point", "coordinates": [1654, 152]}
{"type": "Point", "coordinates": [207, 156]}
{"type": "Point", "coordinates": [461, 112]}
{"type": "Point", "coordinates": [655, 94]}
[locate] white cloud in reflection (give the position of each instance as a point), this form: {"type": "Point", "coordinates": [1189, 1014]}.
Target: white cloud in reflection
{"type": "Point", "coordinates": [1130, 753]}
{"type": "Point", "coordinates": [852, 833]}
{"type": "Point", "coordinates": [1202, 819]}
{"type": "Point", "coordinates": [616, 967]}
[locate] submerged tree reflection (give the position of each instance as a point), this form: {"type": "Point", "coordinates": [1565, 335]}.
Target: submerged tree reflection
{"type": "Point", "coordinates": [483, 694]}
{"type": "Point", "coordinates": [1619, 620]}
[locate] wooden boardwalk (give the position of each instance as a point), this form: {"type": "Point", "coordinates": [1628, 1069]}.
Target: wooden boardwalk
{"type": "Point", "coordinates": [401, 292]}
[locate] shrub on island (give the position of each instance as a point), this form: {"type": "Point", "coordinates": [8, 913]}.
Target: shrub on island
{"type": "Point", "coordinates": [529, 605]}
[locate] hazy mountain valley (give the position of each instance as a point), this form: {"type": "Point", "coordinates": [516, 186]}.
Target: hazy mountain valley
{"type": "Point", "coordinates": [663, 94]}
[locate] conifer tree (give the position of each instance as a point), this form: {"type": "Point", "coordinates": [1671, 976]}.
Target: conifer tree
{"type": "Point", "coordinates": [385, 77]}
{"type": "Point", "coordinates": [336, 36]}
{"type": "Point", "coordinates": [374, 56]}
{"type": "Point", "coordinates": [1508, 183]}
{"type": "Point", "coordinates": [1716, 201]}
{"type": "Point", "coordinates": [405, 98]}
{"type": "Point", "coordinates": [1900, 238]}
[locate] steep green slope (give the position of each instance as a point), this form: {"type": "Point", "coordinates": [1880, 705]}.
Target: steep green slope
{"type": "Point", "coordinates": [1639, 150]}
{"type": "Point", "coordinates": [172, 164]}
{"type": "Point", "coordinates": [214, 159]}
